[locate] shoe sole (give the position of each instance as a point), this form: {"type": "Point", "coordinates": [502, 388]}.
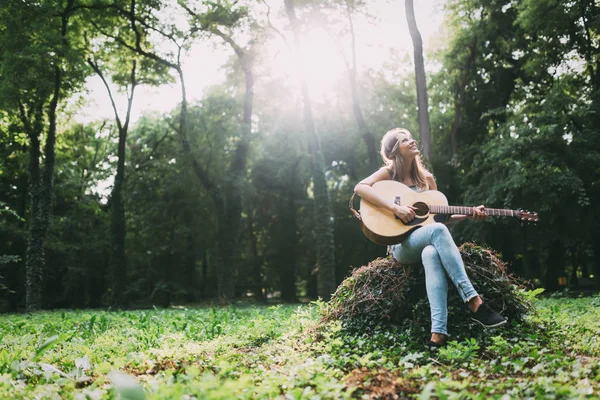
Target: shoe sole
{"type": "Point", "coordinates": [432, 345]}
{"type": "Point", "coordinates": [491, 326]}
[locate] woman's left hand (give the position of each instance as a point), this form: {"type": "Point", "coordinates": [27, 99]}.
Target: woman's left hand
{"type": "Point", "coordinates": [479, 213]}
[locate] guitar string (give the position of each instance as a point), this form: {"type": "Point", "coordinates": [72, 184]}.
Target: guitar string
{"type": "Point", "coordinates": [441, 209]}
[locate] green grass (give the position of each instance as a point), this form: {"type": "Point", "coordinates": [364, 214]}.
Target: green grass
{"type": "Point", "coordinates": [277, 352]}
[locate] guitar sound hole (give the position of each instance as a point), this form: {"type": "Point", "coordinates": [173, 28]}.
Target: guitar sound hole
{"type": "Point", "coordinates": [422, 209]}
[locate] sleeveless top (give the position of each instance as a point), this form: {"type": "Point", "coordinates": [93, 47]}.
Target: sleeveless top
{"type": "Point", "coordinates": [413, 187]}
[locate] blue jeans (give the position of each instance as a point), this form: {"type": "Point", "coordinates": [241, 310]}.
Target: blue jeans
{"type": "Point", "coordinates": [433, 246]}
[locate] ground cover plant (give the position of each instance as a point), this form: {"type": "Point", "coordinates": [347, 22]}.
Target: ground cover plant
{"type": "Point", "coordinates": [284, 351]}
{"type": "Point", "coordinates": [389, 292]}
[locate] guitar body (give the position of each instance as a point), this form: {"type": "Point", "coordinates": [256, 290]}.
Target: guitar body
{"type": "Point", "coordinates": [383, 227]}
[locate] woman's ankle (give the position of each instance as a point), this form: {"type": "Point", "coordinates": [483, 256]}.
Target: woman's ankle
{"type": "Point", "coordinates": [474, 303]}
{"type": "Point", "coordinates": [438, 338]}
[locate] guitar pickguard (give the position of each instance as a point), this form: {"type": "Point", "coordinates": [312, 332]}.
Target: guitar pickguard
{"type": "Point", "coordinates": [441, 218]}
{"type": "Point", "coordinates": [421, 211]}
{"type": "Point", "coordinates": [415, 221]}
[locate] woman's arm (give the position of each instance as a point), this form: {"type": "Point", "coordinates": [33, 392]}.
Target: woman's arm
{"type": "Point", "coordinates": [364, 190]}
{"type": "Point", "coordinates": [478, 213]}
{"type": "Point", "coordinates": [455, 218]}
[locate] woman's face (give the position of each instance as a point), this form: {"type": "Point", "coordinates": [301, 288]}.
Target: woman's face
{"type": "Point", "coordinates": [407, 147]}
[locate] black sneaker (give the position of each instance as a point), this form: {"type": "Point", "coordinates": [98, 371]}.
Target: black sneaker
{"type": "Point", "coordinates": [488, 317]}
{"type": "Point", "coordinates": [431, 345]}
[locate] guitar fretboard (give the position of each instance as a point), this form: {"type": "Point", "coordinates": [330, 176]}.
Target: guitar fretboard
{"type": "Point", "coordinates": [437, 209]}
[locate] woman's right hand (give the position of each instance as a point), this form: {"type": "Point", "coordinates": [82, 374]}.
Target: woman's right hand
{"type": "Point", "coordinates": [405, 213]}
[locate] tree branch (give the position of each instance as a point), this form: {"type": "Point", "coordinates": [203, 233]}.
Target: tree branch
{"type": "Point", "coordinates": [153, 151]}
{"type": "Point", "coordinates": [236, 48]}
{"type": "Point", "coordinates": [96, 69]}
{"type": "Point", "coordinates": [273, 26]}
{"type": "Point", "coordinates": [134, 83]}
{"type": "Point", "coordinates": [137, 48]}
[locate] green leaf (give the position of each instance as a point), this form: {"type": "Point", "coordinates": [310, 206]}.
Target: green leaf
{"type": "Point", "coordinates": [53, 341]}
{"type": "Point", "coordinates": [126, 387]}
{"type": "Point", "coordinates": [531, 294]}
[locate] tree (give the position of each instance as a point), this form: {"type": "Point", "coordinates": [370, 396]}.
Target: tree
{"type": "Point", "coordinates": [422, 101]}
{"type": "Point", "coordinates": [117, 261]}
{"type": "Point", "coordinates": [78, 245]}
{"type": "Point", "coordinates": [550, 69]}
{"type": "Point", "coordinates": [127, 70]}
{"type": "Point", "coordinates": [366, 133]}
{"type": "Point", "coordinates": [6, 258]}
{"type": "Point", "coordinates": [221, 20]}
{"type": "Point", "coordinates": [324, 219]}
{"type": "Point", "coordinates": [36, 44]}
{"type": "Point", "coordinates": [527, 131]}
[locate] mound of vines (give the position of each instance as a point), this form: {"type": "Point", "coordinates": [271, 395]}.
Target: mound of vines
{"type": "Point", "coordinates": [387, 292]}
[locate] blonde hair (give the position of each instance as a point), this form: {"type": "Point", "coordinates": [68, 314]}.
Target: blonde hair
{"type": "Point", "coordinates": [390, 153]}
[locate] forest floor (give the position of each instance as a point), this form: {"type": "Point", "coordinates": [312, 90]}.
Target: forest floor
{"type": "Point", "coordinates": [268, 352]}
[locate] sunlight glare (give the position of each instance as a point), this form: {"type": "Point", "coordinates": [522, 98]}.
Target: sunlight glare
{"type": "Point", "coordinates": [320, 60]}
{"type": "Point", "coordinates": [320, 63]}
{"type": "Point", "coordinates": [317, 61]}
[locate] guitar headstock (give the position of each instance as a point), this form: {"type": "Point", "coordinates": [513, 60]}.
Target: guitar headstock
{"type": "Point", "coordinates": [527, 216]}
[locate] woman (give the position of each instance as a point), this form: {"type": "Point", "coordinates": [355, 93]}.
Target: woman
{"type": "Point", "coordinates": [432, 245]}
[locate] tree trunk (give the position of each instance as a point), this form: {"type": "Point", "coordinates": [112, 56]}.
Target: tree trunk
{"type": "Point", "coordinates": [224, 259]}
{"type": "Point", "coordinates": [288, 270]}
{"type": "Point", "coordinates": [189, 279]}
{"type": "Point", "coordinates": [41, 190]}
{"type": "Point", "coordinates": [289, 230]}
{"type": "Point", "coordinates": [555, 266]}
{"type": "Point", "coordinates": [256, 260]}
{"type": "Point", "coordinates": [230, 225]}
{"type": "Point", "coordinates": [424, 126]}
{"type": "Point", "coordinates": [459, 98]}
{"type": "Point", "coordinates": [324, 237]}
{"type": "Point", "coordinates": [312, 290]}
{"type": "Point", "coordinates": [204, 276]}
{"type": "Point", "coordinates": [459, 95]}
{"type": "Point", "coordinates": [42, 184]}
{"type": "Point", "coordinates": [231, 217]}
{"type": "Point", "coordinates": [575, 267]}
{"type": "Point", "coordinates": [118, 225]}
{"type": "Point", "coordinates": [363, 129]}
{"type": "Point", "coordinates": [227, 205]}
{"type": "Point", "coordinates": [34, 260]}
{"type": "Point", "coordinates": [596, 247]}
{"type": "Point", "coordinates": [117, 261]}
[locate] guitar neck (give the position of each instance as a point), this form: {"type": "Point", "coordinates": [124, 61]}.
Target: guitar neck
{"type": "Point", "coordinates": [437, 209]}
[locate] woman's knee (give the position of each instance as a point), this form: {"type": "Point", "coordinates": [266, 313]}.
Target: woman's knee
{"type": "Point", "coordinates": [439, 227]}
{"type": "Point", "coordinates": [440, 230]}
{"type": "Point", "coordinates": [429, 253]}
{"type": "Point", "coordinates": [431, 260]}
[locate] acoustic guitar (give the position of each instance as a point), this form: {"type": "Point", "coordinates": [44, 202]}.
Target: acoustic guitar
{"type": "Point", "coordinates": [384, 227]}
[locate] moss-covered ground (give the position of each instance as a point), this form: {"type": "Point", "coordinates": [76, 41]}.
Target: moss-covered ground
{"type": "Point", "coordinates": [278, 352]}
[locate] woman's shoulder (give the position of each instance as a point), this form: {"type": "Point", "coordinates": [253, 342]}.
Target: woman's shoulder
{"type": "Point", "coordinates": [388, 170]}
{"type": "Point", "coordinates": [380, 175]}
{"type": "Point", "coordinates": [385, 173]}
{"type": "Point", "coordinates": [430, 179]}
